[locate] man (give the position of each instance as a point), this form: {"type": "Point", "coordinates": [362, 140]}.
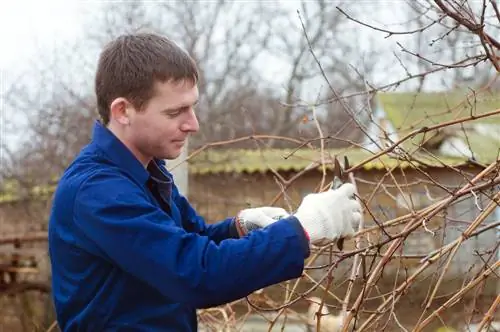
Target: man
{"type": "Point", "coordinates": [128, 251]}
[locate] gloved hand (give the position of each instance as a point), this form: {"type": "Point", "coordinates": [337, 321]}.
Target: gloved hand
{"type": "Point", "coordinates": [329, 215]}
{"type": "Point", "coordinates": [248, 220]}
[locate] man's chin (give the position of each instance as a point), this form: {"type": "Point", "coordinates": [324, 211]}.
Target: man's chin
{"type": "Point", "coordinates": [171, 155]}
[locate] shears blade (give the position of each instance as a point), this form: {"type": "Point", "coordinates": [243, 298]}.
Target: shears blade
{"type": "Point", "coordinates": [339, 178]}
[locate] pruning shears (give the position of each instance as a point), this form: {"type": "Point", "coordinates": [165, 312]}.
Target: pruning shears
{"type": "Point", "coordinates": [340, 176]}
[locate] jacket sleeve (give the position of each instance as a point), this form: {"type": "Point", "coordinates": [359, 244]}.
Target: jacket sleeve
{"type": "Point", "coordinates": [193, 222]}
{"type": "Point", "coordinates": [185, 267]}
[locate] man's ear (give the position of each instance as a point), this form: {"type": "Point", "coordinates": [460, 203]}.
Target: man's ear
{"type": "Point", "coordinates": [120, 111]}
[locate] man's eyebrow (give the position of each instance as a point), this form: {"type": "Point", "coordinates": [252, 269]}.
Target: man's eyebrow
{"type": "Point", "coordinates": [176, 108]}
{"type": "Point", "coordinates": [188, 105]}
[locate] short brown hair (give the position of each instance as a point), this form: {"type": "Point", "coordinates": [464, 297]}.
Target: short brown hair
{"type": "Point", "coordinates": [131, 64]}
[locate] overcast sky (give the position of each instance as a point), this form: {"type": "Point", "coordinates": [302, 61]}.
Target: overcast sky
{"type": "Point", "coordinates": [29, 27]}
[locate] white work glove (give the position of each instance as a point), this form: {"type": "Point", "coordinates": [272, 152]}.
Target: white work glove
{"type": "Point", "coordinates": [248, 220]}
{"type": "Point", "coordinates": [330, 215]}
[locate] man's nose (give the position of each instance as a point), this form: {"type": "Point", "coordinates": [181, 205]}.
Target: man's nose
{"type": "Point", "coordinates": [191, 124]}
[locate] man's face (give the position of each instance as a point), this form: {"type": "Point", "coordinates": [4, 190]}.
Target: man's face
{"type": "Point", "coordinates": [160, 130]}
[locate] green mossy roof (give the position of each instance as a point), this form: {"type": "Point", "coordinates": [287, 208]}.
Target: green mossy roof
{"type": "Point", "coordinates": [251, 161]}
{"type": "Point", "coordinates": [409, 111]}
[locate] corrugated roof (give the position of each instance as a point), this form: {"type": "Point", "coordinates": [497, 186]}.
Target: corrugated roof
{"type": "Point", "coordinates": [251, 161]}
{"type": "Point", "coordinates": [409, 110]}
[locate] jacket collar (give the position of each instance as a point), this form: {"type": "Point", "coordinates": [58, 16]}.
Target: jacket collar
{"type": "Point", "coordinates": [120, 155]}
{"type": "Point", "coordinates": [161, 177]}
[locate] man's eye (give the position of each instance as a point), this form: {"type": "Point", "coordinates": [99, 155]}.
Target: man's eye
{"type": "Point", "coordinates": [179, 111]}
{"type": "Point", "coordinates": [174, 113]}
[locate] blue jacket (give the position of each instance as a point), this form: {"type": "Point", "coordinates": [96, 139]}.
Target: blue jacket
{"type": "Point", "coordinates": [129, 253]}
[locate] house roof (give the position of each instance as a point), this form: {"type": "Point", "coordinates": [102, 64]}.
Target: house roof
{"type": "Point", "coordinates": [261, 161]}
{"type": "Point", "coordinates": [479, 138]}
{"type": "Point", "coordinates": [409, 110]}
